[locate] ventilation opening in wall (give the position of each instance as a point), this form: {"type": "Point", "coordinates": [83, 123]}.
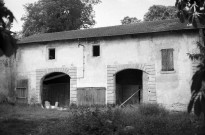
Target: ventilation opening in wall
{"type": "Point", "coordinates": [51, 53]}
{"type": "Point", "coordinates": [96, 50]}
{"type": "Point", "coordinates": [129, 86]}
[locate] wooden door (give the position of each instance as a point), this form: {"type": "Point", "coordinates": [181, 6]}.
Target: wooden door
{"type": "Point", "coordinates": [22, 91]}
{"type": "Point", "coordinates": [57, 93]}
{"type": "Point", "coordinates": [91, 96]}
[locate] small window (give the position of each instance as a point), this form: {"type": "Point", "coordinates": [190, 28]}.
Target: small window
{"type": "Point", "coordinates": [21, 88]}
{"type": "Point", "coordinates": [51, 53]}
{"type": "Point", "coordinates": [96, 50]}
{"type": "Point", "coordinates": [167, 60]}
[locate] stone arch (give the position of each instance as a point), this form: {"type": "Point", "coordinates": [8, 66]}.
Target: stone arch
{"type": "Point", "coordinates": [149, 81]}
{"type": "Point", "coordinates": [71, 72]}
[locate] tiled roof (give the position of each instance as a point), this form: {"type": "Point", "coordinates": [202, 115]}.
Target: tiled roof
{"type": "Point", "coordinates": [138, 28]}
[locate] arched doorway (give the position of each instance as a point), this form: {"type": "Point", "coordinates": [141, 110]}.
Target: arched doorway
{"type": "Point", "coordinates": [56, 88]}
{"type": "Point", "coordinates": [128, 82]}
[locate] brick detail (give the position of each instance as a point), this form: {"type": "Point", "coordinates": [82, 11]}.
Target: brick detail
{"type": "Point", "coordinates": [151, 83]}
{"type": "Point", "coordinates": [72, 72]}
{"type": "Point", "coordinates": [149, 79]}
{"type": "Point", "coordinates": [111, 70]}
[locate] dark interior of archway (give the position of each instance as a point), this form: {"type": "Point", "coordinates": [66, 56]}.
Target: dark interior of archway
{"type": "Point", "coordinates": [127, 83]}
{"type": "Point", "coordinates": [56, 88]}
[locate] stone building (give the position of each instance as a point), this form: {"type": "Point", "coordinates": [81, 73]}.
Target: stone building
{"type": "Point", "coordinates": [108, 65]}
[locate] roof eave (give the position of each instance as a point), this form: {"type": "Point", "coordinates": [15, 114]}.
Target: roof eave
{"type": "Point", "coordinates": [64, 39]}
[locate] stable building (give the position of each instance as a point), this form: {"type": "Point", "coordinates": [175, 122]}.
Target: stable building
{"type": "Point", "coordinates": [145, 62]}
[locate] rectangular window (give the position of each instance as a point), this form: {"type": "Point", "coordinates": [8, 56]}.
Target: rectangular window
{"type": "Point", "coordinates": [51, 53]}
{"type": "Point", "coordinates": [96, 50]}
{"type": "Point", "coordinates": [167, 60]}
{"type": "Point", "coordinates": [22, 88]}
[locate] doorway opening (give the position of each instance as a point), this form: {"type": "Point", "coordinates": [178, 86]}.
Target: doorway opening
{"type": "Point", "coordinates": [56, 88]}
{"type": "Point", "coordinates": [128, 82]}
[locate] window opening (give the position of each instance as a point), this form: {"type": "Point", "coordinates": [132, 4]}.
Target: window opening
{"type": "Point", "coordinates": [51, 53]}
{"type": "Point", "coordinates": [96, 50]}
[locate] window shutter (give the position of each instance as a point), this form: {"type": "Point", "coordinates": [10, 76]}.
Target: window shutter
{"type": "Point", "coordinates": [170, 62]}
{"type": "Point", "coordinates": [22, 88]}
{"type": "Point", "coordinates": [167, 60]}
{"type": "Point", "coordinates": [164, 59]}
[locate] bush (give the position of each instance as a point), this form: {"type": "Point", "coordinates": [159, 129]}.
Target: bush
{"type": "Point", "coordinates": [86, 121]}
{"type": "Point", "coordinates": [145, 119]}
{"type": "Point", "coordinates": [92, 122]}
{"type": "Point", "coordinates": [180, 123]}
{"type": "Point", "coordinates": [152, 109]}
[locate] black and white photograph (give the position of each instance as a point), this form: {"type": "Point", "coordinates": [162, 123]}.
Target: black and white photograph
{"type": "Point", "coordinates": [102, 67]}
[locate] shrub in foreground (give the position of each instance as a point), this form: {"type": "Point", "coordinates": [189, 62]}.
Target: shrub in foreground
{"type": "Point", "coordinates": [145, 119]}
{"type": "Point", "coordinates": [86, 121]}
{"type": "Point", "coordinates": [152, 109]}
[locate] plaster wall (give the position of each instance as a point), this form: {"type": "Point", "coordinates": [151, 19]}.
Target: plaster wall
{"type": "Point", "coordinates": [7, 76]}
{"type": "Point", "coordinates": [172, 88]}
{"type": "Point", "coordinates": [33, 64]}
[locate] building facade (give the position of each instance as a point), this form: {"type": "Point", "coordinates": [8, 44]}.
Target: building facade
{"type": "Point", "coordinates": [145, 63]}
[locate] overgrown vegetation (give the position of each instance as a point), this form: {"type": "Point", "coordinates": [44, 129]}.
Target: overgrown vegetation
{"type": "Point", "coordinates": [68, 15]}
{"type": "Point", "coordinates": [7, 42]}
{"type": "Point", "coordinates": [140, 119]}
{"type": "Point", "coordinates": [193, 11]}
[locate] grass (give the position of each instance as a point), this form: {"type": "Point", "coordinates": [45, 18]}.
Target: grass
{"type": "Point", "coordinates": [148, 119]}
{"type": "Point", "coordinates": [30, 112]}
{"type": "Point", "coordinates": [25, 119]}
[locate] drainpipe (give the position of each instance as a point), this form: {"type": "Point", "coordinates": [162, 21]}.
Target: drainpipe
{"type": "Point", "coordinates": [83, 59]}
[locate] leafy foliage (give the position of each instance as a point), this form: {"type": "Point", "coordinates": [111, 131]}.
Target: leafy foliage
{"type": "Point", "coordinates": [152, 109]}
{"type": "Point", "coordinates": [130, 20]}
{"type": "Point", "coordinates": [129, 120]}
{"type": "Point", "coordinates": [194, 12]}
{"type": "Point", "coordinates": [159, 12]}
{"type": "Point", "coordinates": [68, 15]}
{"type": "Point", "coordinates": [8, 43]}
{"type": "Point", "coordinates": [191, 10]}
{"type": "Point", "coordinates": [5, 13]}
{"type": "Point", "coordinates": [198, 83]}
{"type": "Point", "coordinates": [122, 121]}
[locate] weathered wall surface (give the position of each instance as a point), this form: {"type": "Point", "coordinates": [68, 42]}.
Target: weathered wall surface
{"type": "Point", "coordinates": [33, 64]}
{"type": "Point", "coordinates": [172, 88]}
{"type": "Point", "coordinates": [7, 76]}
